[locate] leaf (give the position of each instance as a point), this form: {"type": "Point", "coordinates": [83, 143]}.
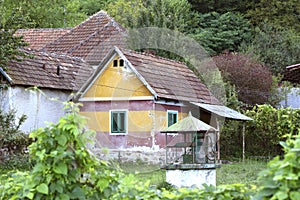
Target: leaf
{"type": "Point", "coordinates": [77, 193]}
{"type": "Point", "coordinates": [295, 195]}
{"type": "Point", "coordinates": [62, 140]}
{"type": "Point", "coordinates": [64, 197]}
{"type": "Point", "coordinates": [42, 188]}
{"type": "Point", "coordinates": [61, 168]}
{"type": "Point", "coordinates": [30, 195]}
{"type": "Point", "coordinates": [102, 183]}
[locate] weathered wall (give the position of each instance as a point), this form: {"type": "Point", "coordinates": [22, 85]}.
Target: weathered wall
{"type": "Point", "coordinates": [191, 178]}
{"type": "Point", "coordinates": [145, 119]}
{"type": "Point", "coordinates": [39, 108]}
{"type": "Point", "coordinates": [144, 154]}
{"type": "Point", "coordinates": [292, 98]}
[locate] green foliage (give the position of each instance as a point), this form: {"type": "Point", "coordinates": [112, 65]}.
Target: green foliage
{"type": "Point", "coordinates": [48, 14]}
{"type": "Point", "coordinates": [282, 178]}
{"type": "Point", "coordinates": [262, 135]}
{"type": "Point", "coordinates": [10, 44]}
{"type": "Point", "coordinates": [219, 32]}
{"type": "Point", "coordinates": [11, 138]}
{"type": "Point", "coordinates": [277, 47]}
{"type": "Point", "coordinates": [64, 168]}
{"type": "Point", "coordinates": [175, 15]}
{"type": "Point", "coordinates": [280, 13]}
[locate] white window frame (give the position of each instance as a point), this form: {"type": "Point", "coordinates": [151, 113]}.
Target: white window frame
{"type": "Point", "coordinates": [110, 122]}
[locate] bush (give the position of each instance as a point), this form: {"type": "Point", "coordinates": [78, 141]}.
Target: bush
{"type": "Point", "coordinates": [12, 139]}
{"type": "Point", "coordinates": [64, 167]}
{"type": "Point", "coordinates": [282, 178]}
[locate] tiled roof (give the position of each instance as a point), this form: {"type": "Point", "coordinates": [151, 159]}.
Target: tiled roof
{"type": "Point", "coordinates": [90, 40]}
{"type": "Point", "coordinates": [170, 79]}
{"type": "Point", "coordinates": [166, 79]}
{"type": "Point", "coordinates": [292, 73]}
{"type": "Point", "coordinates": [38, 38]}
{"type": "Point", "coordinates": [41, 70]}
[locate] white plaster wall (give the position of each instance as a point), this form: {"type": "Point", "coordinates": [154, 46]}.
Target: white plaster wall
{"type": "Point", "coordinates": [292, 99]}
{"type": "Point", "coordinates": [191, 178]}
{"type": "Point", "coordinates": [39, 107]}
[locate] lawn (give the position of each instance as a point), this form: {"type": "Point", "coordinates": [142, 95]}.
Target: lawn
{"type": "Point", "coordinates": [236, 172]}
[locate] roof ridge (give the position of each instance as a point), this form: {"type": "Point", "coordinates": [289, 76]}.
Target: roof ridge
{"type": "Point", "coordinates": [155, 56]}
{"type": "Point", "coordinates": [111, 22]}
{"type": "Point", "coordinates": [82, 24]}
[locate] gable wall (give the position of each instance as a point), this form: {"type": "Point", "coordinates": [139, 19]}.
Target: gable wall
{"type": "Point", "coordinates": [117, 82]}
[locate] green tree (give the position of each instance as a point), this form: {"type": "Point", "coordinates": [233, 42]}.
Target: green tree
{"type": "Point", "coordinates": [276, 47]}
{"type": "Point", "coordinates": [280, 13]}
{"type": "Point", "coordinates": [175, 15]}
{"type": "Point", "coordinates": [90, 7]}
{"type": "Point", "coordinates": [219, 32]}
{"type": "Point", "coordinates": [48, 14]}
{"type": "Point", "coordinates": [10, 44]}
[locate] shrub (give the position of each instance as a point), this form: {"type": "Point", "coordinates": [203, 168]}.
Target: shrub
{"type": "Point", "coordinates": [282, 178]}
{"type": "Point", "coordinates": [64, 167]}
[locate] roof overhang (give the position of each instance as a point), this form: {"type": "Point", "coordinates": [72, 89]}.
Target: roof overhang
{"type": "Point", "coordinates": [5, 75]}
{"type": "Point", "coordinates": [223, 111]}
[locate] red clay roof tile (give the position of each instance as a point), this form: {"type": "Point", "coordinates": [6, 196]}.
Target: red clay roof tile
{"type": "Point", "coordinates": [38, 38]}
{"type": "Point", "coordinates": [41, 71]}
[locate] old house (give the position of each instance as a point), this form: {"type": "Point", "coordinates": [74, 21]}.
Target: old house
{"type": "Point", "coordinates": [61, 61]}
{"type": "Point", "coordinates": [131, 96]}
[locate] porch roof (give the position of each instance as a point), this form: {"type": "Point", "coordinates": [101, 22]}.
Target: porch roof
{"type": "Point", "coordinates": [223, 111]}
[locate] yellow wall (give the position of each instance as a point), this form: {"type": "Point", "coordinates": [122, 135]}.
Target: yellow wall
{"type": "Point", "coordinates": [161, 119]}
{"type": "Point", "coordinates": [117, 82]}
{"type": "Point", "coordinates": [138, 121]}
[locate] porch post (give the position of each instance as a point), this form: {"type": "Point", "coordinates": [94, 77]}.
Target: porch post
{"type": "Point", "coordinates": [243, 141]}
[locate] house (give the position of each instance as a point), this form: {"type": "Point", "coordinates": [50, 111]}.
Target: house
{"type": "Point", "coordinates": [56, 76]}
{"type": "Point", "coordinates": [132, 96]}
{"type": "Point", "coordinates": [292, 95]}
{"type": "Point", "coordinates": [60, 61]}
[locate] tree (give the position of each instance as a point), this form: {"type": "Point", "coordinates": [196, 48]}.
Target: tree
{"type": "Point", "coordinates": [10, 44]}
{"type": "Point", "coordinates": [252, 79]}
{"type": "Point", "coordinates": [175, 15]}
{"type": "Point", "coordinates": [49, 13]}
{"type": "Point", "coordinates": [276, 47]}
{"type": "Point", "coordinates": [280, 13]}
{"type": "Point", "coordinates": [219, 32]}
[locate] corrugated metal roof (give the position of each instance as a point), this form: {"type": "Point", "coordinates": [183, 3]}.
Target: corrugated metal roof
{"type": "Point", "coordinates": [189, 124]}
{"type": "Point", "coordinates": [223, 111]}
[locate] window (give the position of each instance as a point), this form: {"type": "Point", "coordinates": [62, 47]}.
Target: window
{"type": "Point", "coordinates": [115, 63]}
{"type": "Point", "coordinates": [172, 117]}
{"type": "Point", "coordinates": [121, 63]}
{"type": "Point", "coordinates": [118, 122]}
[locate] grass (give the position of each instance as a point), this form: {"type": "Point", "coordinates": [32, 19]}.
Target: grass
{"type": "Point", "coordinates": [238, 172]}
